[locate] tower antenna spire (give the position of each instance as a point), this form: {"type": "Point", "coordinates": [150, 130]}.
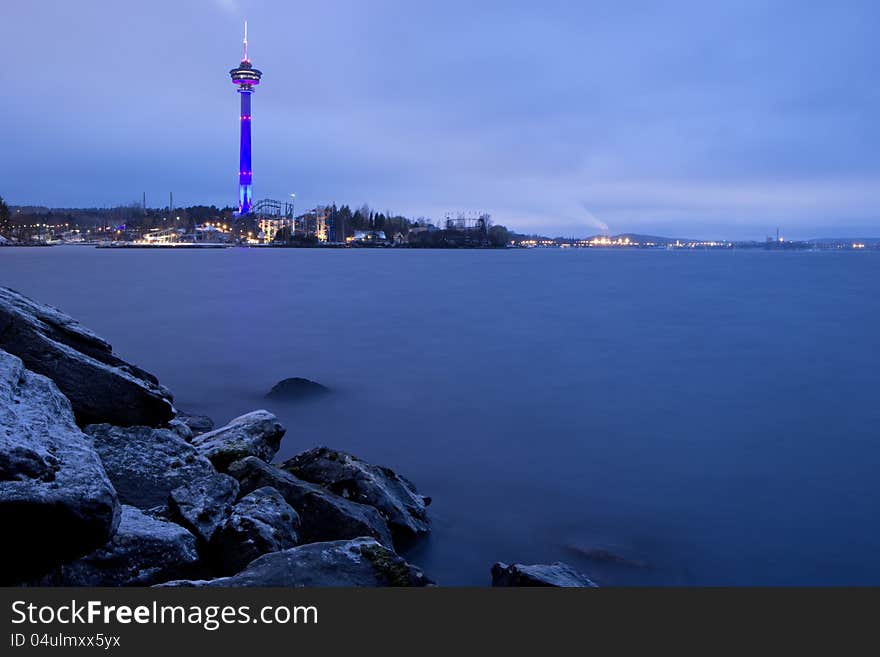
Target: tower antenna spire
{"type": "Point", "coordinates": [245, 42]}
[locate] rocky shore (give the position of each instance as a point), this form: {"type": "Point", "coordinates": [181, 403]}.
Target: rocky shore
{"type": "Point", "coordinates": [103, 482]}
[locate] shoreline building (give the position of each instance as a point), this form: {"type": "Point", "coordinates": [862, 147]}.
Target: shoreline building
{"type": "Point", "coordinates": [245, 77]}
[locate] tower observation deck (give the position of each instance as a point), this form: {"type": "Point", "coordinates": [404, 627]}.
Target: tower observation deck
{"type": "Point", "coordinates": [245, 77]}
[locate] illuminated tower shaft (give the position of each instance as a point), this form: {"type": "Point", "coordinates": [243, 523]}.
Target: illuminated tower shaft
{"type": "Point", "coordinates": [245, 172]}
{"type": "Point", "coordinates": [245, 77]}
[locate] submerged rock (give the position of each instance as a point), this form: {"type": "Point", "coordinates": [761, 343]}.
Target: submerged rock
{"type": "Point", "coordinates": [296, 389]}
{"type": "Point", "coordinates": [204, 504]}
{"type": "Point", "coordinates": [606, 557]}
{"type": "Point", "coordinates": [358, 562]}
{"type": "Point", "coordinates": [56, 501]}
{"type": "Point", "coordinates": [346, 475]}
{"type": "Point", "coordinates": [557, 574]}
{"type": "Point", "coordinates": [255, 434]}
{"type": "Point", "coordinates": [260, 523]}
{"type": "Point", "coordinates": [143, 551]}
{"type": "Point", "coordinates": [146, 464]}
{"type": "Point", "coordinates": [101, 387]}
{"type": "Point", "coordinates": [324, 515]}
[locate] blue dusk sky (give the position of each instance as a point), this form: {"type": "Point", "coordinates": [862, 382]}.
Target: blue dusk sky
{"type": "Point", "coordinates": [681, 118]}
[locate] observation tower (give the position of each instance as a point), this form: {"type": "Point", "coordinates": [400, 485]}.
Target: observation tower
{"type": "Point", "coordinates": [245, 77]}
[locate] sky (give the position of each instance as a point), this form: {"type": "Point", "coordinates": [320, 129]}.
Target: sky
{"type": "Point", "coordinates": [720, 119]}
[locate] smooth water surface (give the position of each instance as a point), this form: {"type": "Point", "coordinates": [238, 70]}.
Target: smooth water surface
{"type": "Point", "coordinates": [709, 417]}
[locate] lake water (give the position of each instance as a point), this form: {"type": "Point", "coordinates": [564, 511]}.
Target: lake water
{"type": "Point", "coordinates": [711, 417]}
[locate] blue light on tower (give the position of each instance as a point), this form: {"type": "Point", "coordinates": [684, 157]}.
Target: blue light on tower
{"type": "Point", "coordinates": [245, 77]}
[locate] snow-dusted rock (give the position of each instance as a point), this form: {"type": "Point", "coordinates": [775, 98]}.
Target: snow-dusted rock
{"type": "Point", "coordinates": [324, 515]}
{"type": "Point", "coordinates": [56, 502]}
{"type": "Point", "coordinates": [181, 428]}
{"type": "Point", "coordinates": [556, 574]}
{"type": "Point", "coordinates": [358, 562]}
{"type": "Point", "coordinates": [143, 551]}
{"type": "Point", "coordinates": [100, 386]}
{"type": "Point", "coordinates": [146, 464]}
{"type": "Point", "coordinates": [203, 504]}
{"type": "Point", "coordinates": [346, 475]}
{"type": "Point", "coordinates": [255, 434]}
{"type": "Point", "coordinates": [261, 522]}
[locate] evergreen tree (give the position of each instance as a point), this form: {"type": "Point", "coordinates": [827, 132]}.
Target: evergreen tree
{"type": "Point", "coordinates": [4, 217]}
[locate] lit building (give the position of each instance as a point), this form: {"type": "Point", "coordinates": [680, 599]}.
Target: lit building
{"type": "Point", "coordinates": [316, 222]}
{"type": "Point", "coordinates": [245, 77]}
{"type": "Point", "coordinates": [210, 233]}
{"type": "Point", "coordinates": [269, 228]}
{"type": "Point", "coordinates": [162, 236]}
{"type": "Point", "coordinates": [374, 236]}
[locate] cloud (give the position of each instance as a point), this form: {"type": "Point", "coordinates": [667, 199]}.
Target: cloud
{"type": "Point", "coordinates": [229, 6]}
{"type": "Point", "coordinates": [684, 118]}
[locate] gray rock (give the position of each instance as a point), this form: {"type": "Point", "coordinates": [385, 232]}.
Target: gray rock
{"type": "Point", "coordinates": [557, 574]}
{"type": "Point", "coordinates": [296, 389]}
{"type": "Point", "coordinates": [144, 551]}
{"type": "Point", "coordinates": [146, 464]}
{"type": "Point", "coordinates": [198, 424]}
{"type": "Point", "coordinates": [358, 562]}
{"type": "Point", "coordinates": [260, 523]}
{"type": "Point", "coordinates": [204, 504]}
{"type": "Point", "coordinates": [255, 434]}
{"type": "Point", "coordinates": [346, 475]}
{"type": "Point", "coordinates": [324, 516]}
{"type": "Point", "coordinates": [100, 386]}
{"type": "Point", "coordinates": [181, 429]}
{"type": "Point", "coordinates": [56, 501]}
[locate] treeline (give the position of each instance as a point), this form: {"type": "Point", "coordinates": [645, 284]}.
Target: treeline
{"type": "Point", "coordinates": [365, 219]}
{"type": "Point", "coordinates": [132, 216]}
{"type": "Point", "coordinates": [4, 218]}
{"type": "Point", "coordinates": [25, 223]}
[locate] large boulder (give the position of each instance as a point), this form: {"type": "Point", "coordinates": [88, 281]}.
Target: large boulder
{"type": "Point", "coordinates": [358, 562]}
{"type": "Point", "coordinates": [143, 551]}
{"type": "Point", "coordinates": [204, 504]}
{"type": "Point", "coordinates": [296, 389]}
{"type": "Point", "coordinates": [346, 475]}
{"type": "Point", "coordinates": [56, 501]}
{"type": "Point", "coordinates": [255, 434]}
{"type": "Point", "coordinates": [146, 464]}
{"type": "Point", "coordinates": [260, 523]}
{"type": "Point", "coordinates": [100, 386]}
{"type": "Point", "coordinates": [557, 574]}
{"type": "Point", "coordinates": [324, 515]}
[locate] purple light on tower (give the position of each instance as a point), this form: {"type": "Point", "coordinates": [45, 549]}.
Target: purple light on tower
{"type": "Point", "coordinates": [245, 77]}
